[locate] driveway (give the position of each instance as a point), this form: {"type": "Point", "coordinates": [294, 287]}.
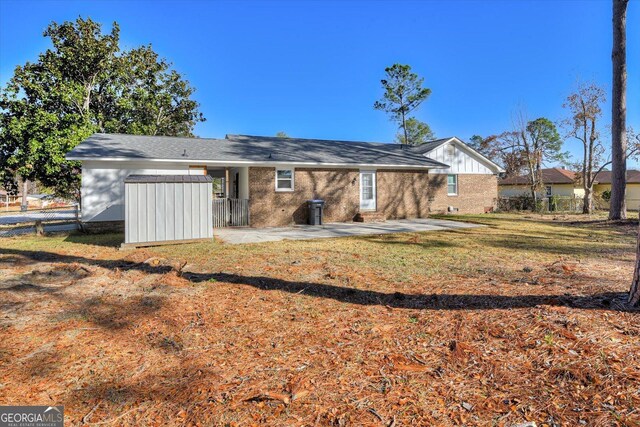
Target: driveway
{"type": "Point", "coordinates": [305, 232]}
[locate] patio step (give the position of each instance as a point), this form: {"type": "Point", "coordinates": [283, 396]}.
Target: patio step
{"type": "Point", "coordinates": [369, 217]}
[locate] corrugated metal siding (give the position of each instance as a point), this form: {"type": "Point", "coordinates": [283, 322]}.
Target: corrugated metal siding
{"type": "Point", "coordinates": [167, 211]}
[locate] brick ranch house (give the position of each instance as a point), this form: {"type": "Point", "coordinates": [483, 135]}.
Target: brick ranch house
{"type": "Point", "coordinates": [277, 176]}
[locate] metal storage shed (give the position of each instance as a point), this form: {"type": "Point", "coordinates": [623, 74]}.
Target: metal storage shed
{"type": "Point", "coordinates": [165, 209]}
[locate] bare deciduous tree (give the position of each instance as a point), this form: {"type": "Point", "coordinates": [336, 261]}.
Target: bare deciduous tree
{"type": "Point", "coordinates": [586, 111]}
{"type": "Point", "coordinates": [533, 143]}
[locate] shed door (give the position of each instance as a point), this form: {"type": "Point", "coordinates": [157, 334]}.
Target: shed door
{"type": "Point", "coordinates": [368, 190]}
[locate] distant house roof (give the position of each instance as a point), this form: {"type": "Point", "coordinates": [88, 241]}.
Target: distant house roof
{"type": "Point", "coordinates": [549, 176]}
{"type": "Point", "coordinates": [40, 196]}
{"type": "Point", "coordinates": [633, 177]}
{"type": "Point", "coordinates": [3, 193]}
{"type": "Point", "coordinates": [247, 149]}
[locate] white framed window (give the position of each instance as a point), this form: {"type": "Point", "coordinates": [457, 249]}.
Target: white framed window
{"type": "Point", "coordinates": [452, 185]}
{"type": "Point", "coordinates": [549, 192]}
{"type": "Point", "coordinates": [284, 179]}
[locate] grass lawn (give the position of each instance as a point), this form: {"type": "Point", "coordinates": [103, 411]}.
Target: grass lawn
{"type": "Point", "coordinates": [522, 320]}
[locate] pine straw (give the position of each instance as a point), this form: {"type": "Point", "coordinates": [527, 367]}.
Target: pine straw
{"type": "Point", "coordinates": [520, 321]}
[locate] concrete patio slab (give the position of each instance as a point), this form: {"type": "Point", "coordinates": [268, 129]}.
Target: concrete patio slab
{"type": "Point", "coordinates": [305, 232]}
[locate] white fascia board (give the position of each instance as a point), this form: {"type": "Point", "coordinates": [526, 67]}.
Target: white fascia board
{"type": "Point", "coordinates": [253, 163]}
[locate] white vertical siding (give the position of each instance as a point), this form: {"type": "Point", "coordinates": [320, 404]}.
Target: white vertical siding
{"type": "Point", "coordinates": [151, 208]}
{"type": "Point", "coordinates": [179, 213]}
{"type": "Point", "coordinates": [186, 220]}
{"type": "Point", "coordinates": [461, 161]}
{"type": "Point", "coordinates": [103, 186]}
{"type": "Point", "coordinates": [161, 212]}
{"type": "Point", "coordinates": [158, 212]}
{"type": "Point", "coordinates": [170, 219]}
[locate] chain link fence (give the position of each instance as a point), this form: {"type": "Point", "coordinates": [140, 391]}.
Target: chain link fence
{"type": "Point", "coordinates": [558, 204]}
{"type": "Point", "coordinates": [544, 205]}
{"type": "Point", "coordinates": [15, 222]}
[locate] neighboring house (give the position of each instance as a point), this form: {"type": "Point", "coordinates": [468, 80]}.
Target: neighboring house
{"type": "Point", "coordinates": [603, 183]}
{"type": "Point", "coordinates": [279, 175]}
{"type": "Point", "coordinates": [556, 182]}
{"type": "Point", "coordinates": [7, 199]}
{"type": "Point", "coordinates": [42, 200]}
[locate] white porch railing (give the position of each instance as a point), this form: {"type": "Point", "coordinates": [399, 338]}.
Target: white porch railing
{"type": "Point", "coordinates": [230, 212]}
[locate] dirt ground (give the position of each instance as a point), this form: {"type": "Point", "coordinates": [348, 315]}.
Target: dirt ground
{"type": "Point", "coordinates": [524, 320]}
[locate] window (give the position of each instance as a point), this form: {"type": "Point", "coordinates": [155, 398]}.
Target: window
{"type": "Point", "coordinates": [218, 187]}
{"type": "Point", "coordinates": [284, 179]}
{"type": "Point", "coordinates": [452, 185]}
{"type": "Point", "coordinates": [548, 191]}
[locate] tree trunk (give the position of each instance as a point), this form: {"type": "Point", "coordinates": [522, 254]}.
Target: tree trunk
{"type": "Point", "coordinates": [587, 204]}
{"type": "Point", "coordinates": [634, 292]}
{"type": "Point", "coordinates": [25, 190]}
{"type": "Point", "coordinates": [617, 208]}
{"type": "Point", "coordinates": [404, 129]}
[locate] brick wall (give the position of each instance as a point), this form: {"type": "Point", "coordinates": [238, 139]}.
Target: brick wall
{"type": "Point", "coordinates": [475, 193]}
{"type": "Point", "coordinates": [400, 194]}
{"type": "Point", "coordinates": [339, 188]}
{"type": "Point", "coordinates": [403, 194]}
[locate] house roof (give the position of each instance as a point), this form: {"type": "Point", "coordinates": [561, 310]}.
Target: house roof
{"type": "Point", "coordinates": [247, 149]}
{"type": "Point", "coordinates": [604, 177]}
{"type": "Point", "coordinates": [549, 176]}
{"type": "Point", "coordinates": [429, 146]}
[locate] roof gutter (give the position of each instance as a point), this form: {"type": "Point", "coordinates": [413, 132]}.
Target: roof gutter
{"type": "Point", "coordinates": [436, 165]}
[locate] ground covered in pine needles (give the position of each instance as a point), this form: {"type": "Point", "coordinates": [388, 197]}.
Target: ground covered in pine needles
{"type": "Point", "coordinates": [522, 320]}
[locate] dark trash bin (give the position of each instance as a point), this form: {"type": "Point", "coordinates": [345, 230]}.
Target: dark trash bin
{"type": "Point", "coordinates": [315, 211]}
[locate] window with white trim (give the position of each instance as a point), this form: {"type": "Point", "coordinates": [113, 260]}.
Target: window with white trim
{"type": "Point", "coordinates": [284, 179]}
{"type": "Point", "coordinates": [452, 185]}
{"type": "Point", "coordinates": [549, 191]}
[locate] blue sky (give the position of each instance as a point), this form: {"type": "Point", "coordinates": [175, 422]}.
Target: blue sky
{"type": "Point", "coordinates": [313, 68]}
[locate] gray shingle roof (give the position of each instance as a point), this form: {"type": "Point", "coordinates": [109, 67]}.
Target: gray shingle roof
{"type": "Point", "coordinates": [429, 146]}
{"type": "Point", "coordinates": [248, 149]}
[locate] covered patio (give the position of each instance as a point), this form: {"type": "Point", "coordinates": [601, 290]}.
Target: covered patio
{"type": "Point", "coordinates": [230, 195]}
